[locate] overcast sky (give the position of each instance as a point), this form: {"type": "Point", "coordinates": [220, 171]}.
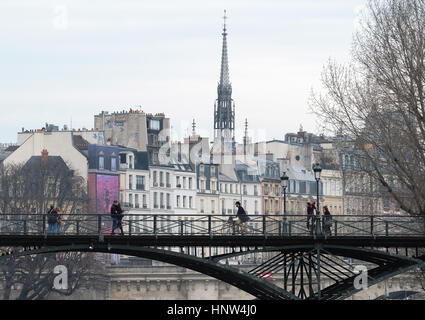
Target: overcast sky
{"type": "Point", "coordinates": [72, 59]}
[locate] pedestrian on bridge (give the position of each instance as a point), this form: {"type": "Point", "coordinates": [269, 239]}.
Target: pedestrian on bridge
{"type": "Point", "coordinates": [242, 217]}
{"type": "Point", "coordinates": [116, 215]}
{"type": "Point", "coordinates": [327, 221]}
{"type": "Point", "coordinates": [310, 217]}
{"type": "Point", "coordinates": [52, 220]}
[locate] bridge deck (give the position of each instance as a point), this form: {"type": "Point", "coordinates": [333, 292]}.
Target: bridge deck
{"type": "Point", "coordinates": [217, 241]}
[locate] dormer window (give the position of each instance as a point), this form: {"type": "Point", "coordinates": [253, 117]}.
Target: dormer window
{"type": "Point", "coordinates": [101, 161]}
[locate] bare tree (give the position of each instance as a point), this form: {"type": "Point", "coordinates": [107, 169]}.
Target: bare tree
{"type": "Point", "coordinates": [378, 100]}
{"type": "Point", "coordinates": [31, 188]}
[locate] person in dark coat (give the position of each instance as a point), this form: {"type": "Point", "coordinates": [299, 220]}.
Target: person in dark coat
{"type": "Point", "coordinates": [52, 220]}
{"type": "Point", "coordinates": [117, 215]}
{"type": "Point", "coordinates": [310, 217]}
{"type": "Point", "coordinates": [242, 217]}
{"type": "Point", "coordinates": [327, 221]}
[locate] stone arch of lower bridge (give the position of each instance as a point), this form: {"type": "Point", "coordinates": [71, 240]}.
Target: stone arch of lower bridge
{"type": "Point", "coordinates": [303, 267]}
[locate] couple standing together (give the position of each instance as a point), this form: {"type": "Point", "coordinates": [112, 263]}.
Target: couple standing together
{"type": "Point", "coordinates": [117, 215]}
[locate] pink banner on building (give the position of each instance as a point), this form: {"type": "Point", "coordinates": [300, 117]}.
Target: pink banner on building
{"type": "Point", "coordinates": [107, 192]}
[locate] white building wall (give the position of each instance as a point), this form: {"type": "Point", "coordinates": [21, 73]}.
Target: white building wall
{"type": "Point", "coordinates": [56, 143]}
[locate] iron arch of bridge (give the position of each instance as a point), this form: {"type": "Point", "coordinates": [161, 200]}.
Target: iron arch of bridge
{"type": "Point", "coordinates": [387, 266]}
{"type": "Point", "coordinates": [295, 256]}
{"type": "Point", "coordinates": [248, 283]}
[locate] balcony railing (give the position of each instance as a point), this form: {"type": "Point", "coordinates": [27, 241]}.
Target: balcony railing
{"type": "Point", "coordinates": [140, 187]}
{"type": "Point", "coordinates": [155, 184]}
{"type": "Point", "coordinates": [168, 185]}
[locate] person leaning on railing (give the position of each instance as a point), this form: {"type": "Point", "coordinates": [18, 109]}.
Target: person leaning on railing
{"type": "Point", "coordinates": [242, 217]}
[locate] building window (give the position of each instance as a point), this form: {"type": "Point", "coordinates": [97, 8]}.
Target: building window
{"type": "Point", "coordinates": [161, 178]}
{"type": "Point", "coordinates": [140, 182]}
{"type": "Point", "coordinates": [178, 201]}
{"type": "Point", "coordinates": [130, 200]}
{"type": "Point", "coordinates": [213, 206]}
{"type": "Point", "coordinates": [161, 200]}
{"type": "Point", "coordinates": [144, 202]}
{"type": "Point", "coordinates": [256, 206]}
{"type": "Point", "coordinates": [168, 201]}
{"type": "Point", "coordinates": [190, 202]}
{"type": "Point", "coordinates": [184, 201]}
{"type": "Point", "coordinates": [167, 179]}
{"type": "Point", "coordinates": [202, 205]}
{"type": "Point", "coordinates": [155, 182]}
{"type": "Point", "coordinates": [154, 124]}
{"type": "Point", "coordinates": [184, 182]}
{"type": "Point", "coordinates": [101, 163]}
{"type": "Point", "coordinates": [155, 200]}
{"type": "Point", "coordinates": [123, 157]}
{"type": "Point", "coordinates": [113, 164]}
{"type": "Point", "coordinates": [130, 161]}
{"type": "Point", "coordinates": [190, 183]}
{"type": "Point", "coordinates": [136, 200]}
{"type": "Point", "coordinates": [130, 182]}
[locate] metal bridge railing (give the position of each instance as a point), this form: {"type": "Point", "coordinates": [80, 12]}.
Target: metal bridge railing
{"type": "Point", "coordinates": [214, 225]}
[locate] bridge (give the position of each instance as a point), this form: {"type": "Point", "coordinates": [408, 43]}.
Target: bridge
{"type": "Point", "coordinates": [281, 246]}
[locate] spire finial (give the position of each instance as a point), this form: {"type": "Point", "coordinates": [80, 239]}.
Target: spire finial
{"type": "Point", "coordinates": [224, 75]}
{"type": "Point", "coordinates": [193, 127]}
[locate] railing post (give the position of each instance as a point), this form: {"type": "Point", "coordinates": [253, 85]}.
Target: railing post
{"type": "Point", "coordinates": [99, 224]}
{"type": "Point", "coordinates": [264, 225]}
{"type": "Point", "coordinates": [181, 227]}
{"type": "Point", "coordinates": [154, 225]}
{"type": "Point", "coordinates": [25, 226]}
{"type": "Point", "coordinates": [78, 227]}
{"type": "Point", "coordinates": [371, 225]}
{"type": "Point", "coordinates": [336, 228]}
{"type": "Point", "coordinates": [424, 223]}
{"type": "Point", "coordinates": [209, 226]}
{"type": "Point", "coordinates": [289, 228]}
{"type": "Point", "coordinates": [386, 228]}
{"type": "Point", "coordinates": [129, 227]}
{"type": "Point", "coordinates": [44, 223]}
{"type": "Point", "coordinates": [284, 225]}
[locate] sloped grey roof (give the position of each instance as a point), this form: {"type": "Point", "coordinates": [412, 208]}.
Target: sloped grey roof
{"type": "Point", "coordinates": [225, 178]}
{"type": "Point", "coordinates": [297, 172]}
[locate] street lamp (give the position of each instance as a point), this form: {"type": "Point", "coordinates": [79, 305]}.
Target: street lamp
{"type": "Point", "coordinates": [317, 172]}
{"type": "Point", "coordinates": [284, 178]}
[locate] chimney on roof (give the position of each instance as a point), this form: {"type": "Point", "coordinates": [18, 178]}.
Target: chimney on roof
{"type": "Point", "coordinates": [44, 157]}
